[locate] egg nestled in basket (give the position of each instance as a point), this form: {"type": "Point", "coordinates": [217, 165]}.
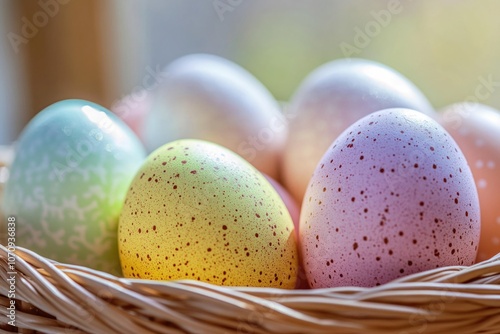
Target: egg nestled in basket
{"type": "Point", "coordinates": [392, 196]}
{"type": "Point", "coordinates": [74, 163]}
{"type": "Point", "coordinates": [196, 210]}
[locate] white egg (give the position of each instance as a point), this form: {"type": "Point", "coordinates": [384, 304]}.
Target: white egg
{"type": "Point", "coordinates": [210, 98]}
{"type": "Point", "coordinates": [329, 100]}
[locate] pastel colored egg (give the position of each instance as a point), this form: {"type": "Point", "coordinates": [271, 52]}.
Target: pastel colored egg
{"type": "Point", "coordinates": [133, 109]}
{"type": "Point", "coordinates": [392, 196]}
{"type": "Point", "coordinates": [74, 163]}
{"type": "Point", "coordinates": [210, 98]}
{"type": "Point", "coordinates": [476, 129]}
{"type": "Point", "coordinates": [332, 98]}
{"type": "Point", "coordinates": [196, 210]}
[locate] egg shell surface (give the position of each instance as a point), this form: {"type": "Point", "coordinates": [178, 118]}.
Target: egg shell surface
{"type": "Point", "coordinates": [294, 211]}
{"type": "Point", "coordinates": [392, 196]}
{"type": "Point", "coordinates": [196, 210]}
{"type": "Point", "coordinates": [329, 100]}
{"type": "Point", "coordinates": [289, 201]}
{"type": "Point", "coordinates": [74, 163]}
{"type": "Point", "coordinates": [211, 98]}
{"type": "Point", "coordinates": [476, 129]}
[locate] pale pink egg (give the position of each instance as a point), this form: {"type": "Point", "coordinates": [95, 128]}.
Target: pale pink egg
{"type": "Point", "coordinates": [476, 129]}
{"type": "Point", "coordinates": [392, 196]}
{"type": "Point", "coordinates": [133, 109]}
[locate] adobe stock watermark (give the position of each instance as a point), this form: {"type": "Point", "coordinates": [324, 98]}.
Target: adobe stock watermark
{"type": "Point", "coordinates": [89, 308]}
{"type": "Point", "coordinates": [223, 6]}
{"type": "Point", "coordinates": [373, 28]}
{"type": "Point", "coordinates": [11, 263]}
{"type": "Point", "coordinates": [129, 102]}
{"type": "Point", "coordinates": [255, 320]}
{"type": "Point", "coordinates": [419, 322]}
{"type": "Point", "coordinates": [249, 148]}
{"type": "Point", "coordinates": [31, 26]}
{"type": "Point", "coordinates": [483, 91]}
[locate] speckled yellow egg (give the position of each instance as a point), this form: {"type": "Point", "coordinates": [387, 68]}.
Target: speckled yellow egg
{"type": "Point", "coordinates": [196, 210]}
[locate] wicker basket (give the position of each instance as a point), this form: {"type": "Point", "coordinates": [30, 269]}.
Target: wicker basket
{"type": "Point", "coordinates": [57, 298]}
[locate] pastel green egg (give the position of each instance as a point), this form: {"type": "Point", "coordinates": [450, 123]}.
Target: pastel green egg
{"type": "Point", "coordinates": [73, 166]}
{"type": "Point", "coordinates": [196, 210]}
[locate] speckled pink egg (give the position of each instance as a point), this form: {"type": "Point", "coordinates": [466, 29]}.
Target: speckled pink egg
{"type": "Point", "coordinates": [393, 195]}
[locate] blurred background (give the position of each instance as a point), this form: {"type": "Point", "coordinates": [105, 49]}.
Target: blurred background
{"type": "Point", "coordinates": [102, 50]}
